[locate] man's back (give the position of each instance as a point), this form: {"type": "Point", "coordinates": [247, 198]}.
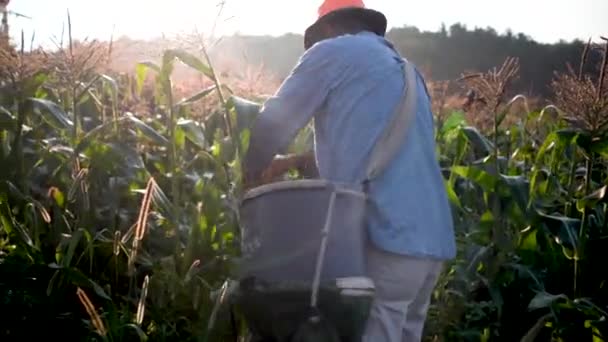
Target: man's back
{"type": "Point", "coordinates": [351, 85]}
{"type": "Point", "coordinates": [412, 214]}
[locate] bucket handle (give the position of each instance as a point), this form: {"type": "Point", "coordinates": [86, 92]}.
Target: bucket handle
{"type": "Point", "coordinates": [321, 256]}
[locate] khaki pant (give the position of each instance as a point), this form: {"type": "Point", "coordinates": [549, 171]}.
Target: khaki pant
{"type": "Point", "coordinates": [403, 292]}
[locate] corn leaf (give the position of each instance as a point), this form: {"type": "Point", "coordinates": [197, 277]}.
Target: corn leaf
{"type": "Point", "coordinates": [455, 120]}
{"type": "Point", "coordinates": [564, 229]}
{"type": "Point", "coordinates": [246, 111]}
{"type": "Point", "coordinates": [147, 131]}
{"type": "Point", "coordinates": [192, 61]}
{"type": "Point", "coordinates": [452, 196]}
{"type": "Point", "coordinates": [128, 154]}
{"type": "Point", "coordinates": [481, 145]}
{"type": "Point", "coordinates": [479, 177]}
{"type": "Point", "coordinates": [600, 146]}
{"type": "Point", "coordinates": [193, 132]}
{"type": "Point", "coordinates": [162, 202]}
{"type": "Point", "coordinates": [33, 83]}
{"type": "Point", "coordinates": [74, 241]}
{"type": "Point", "coordinates": [55, 115]}
{"type": "Point", "coordinates": [141, 71]}
{"type": "Point", "coordinates": [96, 133]}
{"type": "Point", "coordinates": [516, 188]}
{"type": "Point", "coordinates": [111, 81]}
{"type": "Point", "coordinates": [555, 140]}
{"type": "Point", "coordinates": [142, 335]}
{"type": "Point", "coordinates": [196, 97]}
{"type": "Point", "coordinates": [592, 199]}
{"type": "Point", "coordinates": [76, 277]}
{"type": "Point", "coordinates": [543, 300]}
{"type": "Point", "coordinates": [12, 227]}
{"type": "Point", "coordinates": [164, 79]}
{"type": "Point", "coordinates": [7, 120]}
{"type": "Point", "coordinates": [114, 89]}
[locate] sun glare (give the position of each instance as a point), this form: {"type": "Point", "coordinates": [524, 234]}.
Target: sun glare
{"type": "Point", "coordinates": [142, 19]}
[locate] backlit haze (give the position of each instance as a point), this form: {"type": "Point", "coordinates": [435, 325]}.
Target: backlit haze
{"type": "Point", "coordinates": [543, 20]}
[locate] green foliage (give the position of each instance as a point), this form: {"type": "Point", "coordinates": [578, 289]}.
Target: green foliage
{"type": "Point", "coordinates": [527, 239]}
{"type": "Point", "coordinates": [79, 215]}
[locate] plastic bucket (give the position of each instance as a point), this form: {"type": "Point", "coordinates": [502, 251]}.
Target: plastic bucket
{"type": "Point", "coordinates": [274, 312]}
{"type": "Point", "coordinates": [281, 226]}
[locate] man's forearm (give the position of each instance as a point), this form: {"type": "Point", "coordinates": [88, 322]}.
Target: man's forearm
{"type": "Point", "coordinates": [267, 139]}
{"type": "Point", "coordinates": [300, 96]}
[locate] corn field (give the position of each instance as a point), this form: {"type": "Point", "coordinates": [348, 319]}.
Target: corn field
{"type": "Point", "coordinates": [121, 226]}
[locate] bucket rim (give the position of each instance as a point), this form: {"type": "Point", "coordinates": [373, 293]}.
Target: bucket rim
{"type": "Point", "coordinates": [340, 188]}
{"type": "Point", "coordinates": [358, 283]}
{"type": "Point", "coordinates": [362, 283]}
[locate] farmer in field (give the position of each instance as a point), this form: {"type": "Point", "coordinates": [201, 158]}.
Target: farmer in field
{"type": "Point", "coordinates": [350, 80]}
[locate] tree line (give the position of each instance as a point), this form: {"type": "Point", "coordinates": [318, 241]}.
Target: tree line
{"type": "Point", "coordinates": [442, 55]}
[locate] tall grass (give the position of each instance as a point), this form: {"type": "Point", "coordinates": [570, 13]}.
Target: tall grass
{"type": "Point", "coordinates": [129, 222]}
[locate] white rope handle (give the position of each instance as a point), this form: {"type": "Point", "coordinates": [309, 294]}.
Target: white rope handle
{"type": "Point", "coordinates": [321, 256]}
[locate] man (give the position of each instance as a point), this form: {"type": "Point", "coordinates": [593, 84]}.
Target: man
{"type": "Point", "coordinates": [350, 80]}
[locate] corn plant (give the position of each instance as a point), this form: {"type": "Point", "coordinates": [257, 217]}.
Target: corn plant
{"type": "Point", "coordinates": [530, 210]}
{"type": "Point", "coordinates": [119, 205]}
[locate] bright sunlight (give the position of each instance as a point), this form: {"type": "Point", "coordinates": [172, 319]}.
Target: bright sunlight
{"type": "Point", "coordinates": [561, 19]}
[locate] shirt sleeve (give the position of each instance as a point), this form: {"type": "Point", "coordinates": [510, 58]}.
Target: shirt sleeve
{"type": "Point", "coordinates": [299, 97]}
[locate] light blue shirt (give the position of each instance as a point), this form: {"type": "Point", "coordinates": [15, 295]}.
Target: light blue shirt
{"type": "Point", "coordinates": [350, 86]}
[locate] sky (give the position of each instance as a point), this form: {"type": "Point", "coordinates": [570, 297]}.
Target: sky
{"type": "Point", "coordinates": [543, 20]}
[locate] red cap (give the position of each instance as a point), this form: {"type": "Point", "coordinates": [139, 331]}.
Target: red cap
{"type": "Point", "coordinates": [332, 5]}
{"type": "Point", "coordinates": [340, 9]}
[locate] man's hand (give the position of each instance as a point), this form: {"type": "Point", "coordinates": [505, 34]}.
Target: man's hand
{"type": "Point", "coordinates": [304, 163]}
{"type": "Point", "coordinates": [279, 166]}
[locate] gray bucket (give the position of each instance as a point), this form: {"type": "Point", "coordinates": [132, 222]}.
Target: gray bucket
{"type": "Point", "coordinates": [274, 312]}
{"type": "Point", "coordinates": [281, 232]}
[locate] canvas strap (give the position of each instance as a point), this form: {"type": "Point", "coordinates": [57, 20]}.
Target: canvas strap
{"type": "Point", "coordinates": [384, 150]}
{"type": "Point", "coordinates": [393, 136]}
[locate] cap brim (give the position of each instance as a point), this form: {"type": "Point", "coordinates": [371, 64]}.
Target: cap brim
{"type": "Point", "coordinates": [376, 21]}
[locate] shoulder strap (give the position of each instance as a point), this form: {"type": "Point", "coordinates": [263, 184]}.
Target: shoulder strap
{"type": "Point", "coordinates": [393, 136]}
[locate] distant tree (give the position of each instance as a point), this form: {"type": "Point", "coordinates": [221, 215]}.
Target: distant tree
{"type": "Point", "coordinates": [443, 32]}
{"type": "Point", "coordinates": [444, 55]}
